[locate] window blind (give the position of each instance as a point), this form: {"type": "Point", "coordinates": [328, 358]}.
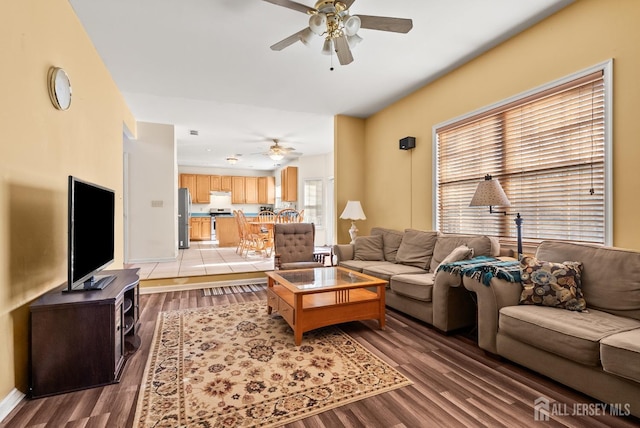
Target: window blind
{"type": "Point", "coordinates": [548, 152]}
{"type": "Point", "coordinates": [313, 197]}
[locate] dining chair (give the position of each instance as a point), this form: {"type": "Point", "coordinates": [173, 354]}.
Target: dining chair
{"type": "Point", "coordinates": [288, 215]}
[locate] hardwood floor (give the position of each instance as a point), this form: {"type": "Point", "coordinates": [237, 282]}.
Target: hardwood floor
{"type": "Point", "coordinates": [455, 383]}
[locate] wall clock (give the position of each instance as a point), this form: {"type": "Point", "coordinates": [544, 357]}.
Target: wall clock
{"type": "Point", "coordinates": [59, 88]}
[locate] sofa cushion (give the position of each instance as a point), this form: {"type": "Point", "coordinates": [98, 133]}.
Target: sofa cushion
{"type": "Point", "coordinates": [620, 354]}
{"type": "Point", "coordinates": [570, 334]}
{"type": "Point", "coordinates": [368, 248]}
{"type": "Point", "coordinates": [417, 286]}
{"type": "Point", "coordinates": [416, 248]}
{"type": "Point", "coordinates": [459, 253]}
{"type": "Point", "coordinates": [391, 240]}
{"type": "Point", "coordinates": [359, 265]}
{"type": "Point", "coordinates": [445, 244]}
{"type": "Point", "coordinates": [387, 270]}
{"type": "Point", "coordinates": [610, 276]}
{"type": "Point", "coordinates": [551, 284]}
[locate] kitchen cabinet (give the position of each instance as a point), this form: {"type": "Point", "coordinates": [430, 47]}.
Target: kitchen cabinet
{"type": "Point", "coordinates": [200, 228]}
{"type": "Point", "coordinates": [225, 183]}
{"type": "Point", "coordinates": [215, 183]}
{"type": "Point", "coordinates": [202, 195]}
{"type": "Point", "coordinates": [188, 181]}
{"type": "Point", "coordinates": [227, 231]}
{"type": "Point", "coordinates": [289, 183]}
{"type": "Point", "coordinates": [82, 339]}
{"type": "Point", "coordinates": [251, 190]}
{"type": "Point", "coordinates": [237, 190]}
{"type": "Point", "coordinates": [267, 190]}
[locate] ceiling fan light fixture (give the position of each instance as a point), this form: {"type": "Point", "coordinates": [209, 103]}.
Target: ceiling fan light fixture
{"type": "Point", "coordinates": [318, 23]}
{"type": "Point", "coordinates": [354, 40]}
{"type": "Point", "coordinates": [327, 47]}
{"type": "Point", "coordinates": [276, 156]}
{"type": "Point", "coordinates": [307, 36]}
{"type": "Point", "coordinates": [352, 25]}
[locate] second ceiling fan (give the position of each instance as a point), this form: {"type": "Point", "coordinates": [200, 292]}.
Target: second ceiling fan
{"type": "Point", "coordinates": [332, 20]}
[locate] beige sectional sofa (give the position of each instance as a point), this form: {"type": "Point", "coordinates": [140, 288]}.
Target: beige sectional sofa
{"type": "Point", "coordinates": [596, 351]}
{"type": "Point", "coordinates": [408, 260]}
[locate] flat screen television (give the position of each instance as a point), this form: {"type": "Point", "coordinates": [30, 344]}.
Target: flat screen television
{"type": "Point", "coordinates": [91, 226]}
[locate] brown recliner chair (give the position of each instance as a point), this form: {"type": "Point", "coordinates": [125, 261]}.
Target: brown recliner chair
{"type": "Point", "coordinates": [294, 246]}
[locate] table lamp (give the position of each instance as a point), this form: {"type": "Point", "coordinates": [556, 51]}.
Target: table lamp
{"type": "Point", "coordinates": [353, 211]}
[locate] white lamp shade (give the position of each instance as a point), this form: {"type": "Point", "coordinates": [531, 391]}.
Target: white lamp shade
{"type": "Point", "coordinates": [352, 25]}
{"type": "Point", "coordinates": [353, 40]}
{"type": "Point", "coordinates": [489, 193]}
{"type": "Point", "coordinates": [327, 47]}
{"type": "Point", "coordinates": [318, 23]}
{"type": "Point", "coordinates": [353, 211]}
{"type": "Point", "coordinates": [276, 156]}
{"type": "Point", "coordinates": [307, 36]}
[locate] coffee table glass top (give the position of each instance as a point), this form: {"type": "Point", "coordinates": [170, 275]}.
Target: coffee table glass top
{"type": "Point", "coordinates": [325, 277]}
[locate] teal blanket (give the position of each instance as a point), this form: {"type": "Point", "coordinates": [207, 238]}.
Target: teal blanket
{"type": "Point", "coordinates": [483, 268]}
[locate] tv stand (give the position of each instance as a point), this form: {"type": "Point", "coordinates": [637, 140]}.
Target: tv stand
{"type": "Point", "coordinates": [82, 340]}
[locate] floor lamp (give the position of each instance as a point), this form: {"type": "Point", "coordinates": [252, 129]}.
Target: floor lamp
{"type": "Point", "coordinates": [490, 193]}
{"type": "Point", "coordinates": [353, 211]}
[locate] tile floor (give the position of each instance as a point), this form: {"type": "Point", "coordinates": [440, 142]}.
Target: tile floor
{"type": "Point", "coordinates": [205, 258]}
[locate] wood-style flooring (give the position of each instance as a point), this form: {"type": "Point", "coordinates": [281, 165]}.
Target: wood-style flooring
{"type": "Point", "coordinates": [455, 383]}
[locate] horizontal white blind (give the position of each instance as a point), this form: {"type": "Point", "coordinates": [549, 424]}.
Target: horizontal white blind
{"type": "Point", "coordinates": [547, 151]}
{"type": "Point", "coordinates": [313, 197]}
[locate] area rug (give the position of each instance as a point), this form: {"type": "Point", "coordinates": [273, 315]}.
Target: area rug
{"type": "Point", "coordinates": [237, 366]}
{"type": "Point", "coordinates": [233, 289]}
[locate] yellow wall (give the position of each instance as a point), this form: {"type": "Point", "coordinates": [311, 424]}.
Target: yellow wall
{"type": "Point", "coordinates": [349, 165]}
{"type": "Point", "coordinates": [40, 147]}
{"type": "Point", "coordinates": [398, 185]}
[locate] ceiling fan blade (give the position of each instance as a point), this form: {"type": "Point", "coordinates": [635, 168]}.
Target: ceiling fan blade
{"type": "Point", "coordinates": [292, 5]}
{"type": "Point", "coordinates": [342, 50]}
{"type": "Point", "coordinates": [288, 41]}
{"type": "Point", "coordinates": [383, 23]}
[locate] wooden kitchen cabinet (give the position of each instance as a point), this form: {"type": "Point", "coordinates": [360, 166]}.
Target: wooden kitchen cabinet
{"type": "Point", "coordinates": [188, 181]}
{"type": "Point", "coordinates": [215, 183]}
{"type": "Point", "coordinates": [227, 231]}
{"type": "Point", "coordinates": [225, 183]}
{"type": "Point", "coordinates": [251, 190]}
{"type": "Point", "coordinates": [200, 228]}
{"type": "Point", "coordinates": [203, 190]}
{"type": "Point", "coordinates": [82, 339]}
{"type": "Point", "coordinates": [267, 190]}
{"type": "Point", "coordinates": [289, 183]}
{"type": "Point", "coordinates": [237, 190]}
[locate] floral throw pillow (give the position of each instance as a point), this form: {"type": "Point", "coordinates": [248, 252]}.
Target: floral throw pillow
{"type": "Point", "coordinates": [552, 284]}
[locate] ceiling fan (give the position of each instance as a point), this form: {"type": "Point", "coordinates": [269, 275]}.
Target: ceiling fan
{"type": "Point", "coordinates": [332, 20]}
{"type": "Point", "coordinates": [278, 152]}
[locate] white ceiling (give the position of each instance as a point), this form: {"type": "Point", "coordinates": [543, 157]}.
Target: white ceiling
{"type": "Point", "coordinates": [206, 65]}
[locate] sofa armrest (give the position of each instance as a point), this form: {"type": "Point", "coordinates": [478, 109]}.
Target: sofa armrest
{"type": "Point", "coordinates": [344, 252]}
{"type": "Point", "coordinates": [452, 306]}
{"type": "Point", "coordinates": [490, 300]}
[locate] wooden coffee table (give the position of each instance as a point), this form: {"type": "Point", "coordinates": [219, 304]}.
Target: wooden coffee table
{"type": "Point", "coordinates": [311, 298]}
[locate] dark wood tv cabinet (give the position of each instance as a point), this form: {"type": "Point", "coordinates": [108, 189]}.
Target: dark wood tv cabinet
{"type": "Point", "coordinates": [82, 339]}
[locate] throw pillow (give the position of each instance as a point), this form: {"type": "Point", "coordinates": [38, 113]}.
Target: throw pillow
{"type": "Point", "coordinates": [368, 248]}
{"type": "Point", "coordinates": [391, 240]}
{"type": "Point", "coordinates": [416, 248]}
{"type": "Point", "coordinates": [552, 284]}
{"type": "Point", "coordinates": [459, 253]}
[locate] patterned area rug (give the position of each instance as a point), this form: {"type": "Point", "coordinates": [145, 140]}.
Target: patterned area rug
{"type": "Point", "coordinates": [233, 289]}
{"type": "Point", "coordinates": [237, 366]}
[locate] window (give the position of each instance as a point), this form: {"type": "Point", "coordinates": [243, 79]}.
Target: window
{"type": "Point", "coordinates": [547, 149]}
{"type": "Point", "coordinates": [313, 201]}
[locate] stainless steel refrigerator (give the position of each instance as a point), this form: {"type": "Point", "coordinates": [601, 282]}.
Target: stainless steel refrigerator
{"type": "Point", "coordinates": [184, 213]}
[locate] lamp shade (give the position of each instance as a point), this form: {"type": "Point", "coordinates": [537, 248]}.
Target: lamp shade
{"type": "Point", "coordinates": [489, 193]}
{"type": "Point", "coordinates": [353, 211]}
{"type": "Point", "coordinates": [318, 23]}
{"type": "Point", "coordinates": [276, 156]}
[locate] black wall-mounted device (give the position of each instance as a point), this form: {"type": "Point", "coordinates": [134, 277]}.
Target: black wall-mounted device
{"type": "Point", "coordinates": [407, 143]}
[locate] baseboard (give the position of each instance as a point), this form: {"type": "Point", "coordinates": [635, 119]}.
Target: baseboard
{"type": "Point", "coordinates": [10, 402]}
{"type": "Point", "coordinates": [200, 285]}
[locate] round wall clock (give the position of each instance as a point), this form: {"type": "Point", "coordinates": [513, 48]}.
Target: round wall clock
{"type": "Point", "coordinates": [59, 88]}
